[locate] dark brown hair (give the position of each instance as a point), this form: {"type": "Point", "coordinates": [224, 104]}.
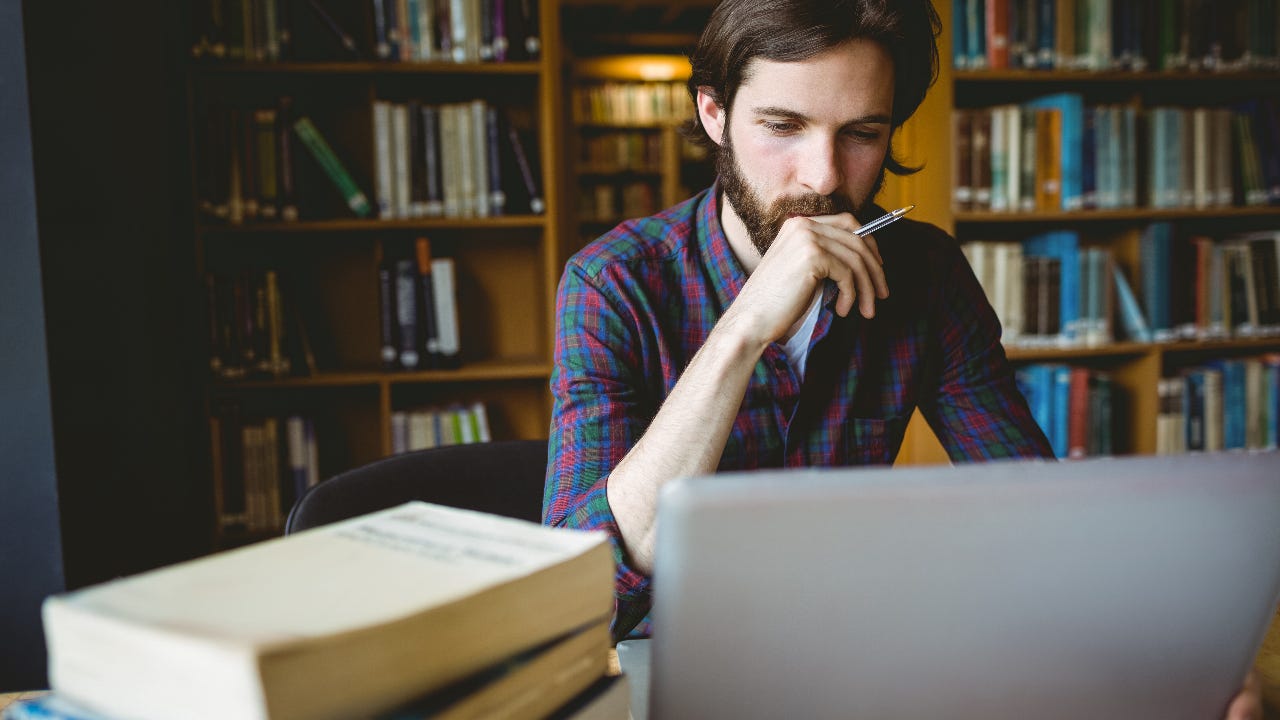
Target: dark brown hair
{"type": "Point", "coordinates": [740, 31]}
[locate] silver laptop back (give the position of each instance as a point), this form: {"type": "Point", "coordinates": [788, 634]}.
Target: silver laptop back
{"type": "Point", "coordinates": [1109, 588]}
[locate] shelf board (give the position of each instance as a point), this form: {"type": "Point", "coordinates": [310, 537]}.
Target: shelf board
{"type": "Point", "coordinates": [1024, 353]}
{"type": "Point", "coordinates": [1109, 76]}
{"type": "Point", "coordinates": [358, 225]}
{"type": "Point", "coordinates": [488, 370]}
{"type": "Point", "coordinates": [1125, 215]}
{"type": "Point", "coordinates": [618, 170]}
{"type": "Point", "coordinates": [614, 125]}
{"type": "Point", "coordinates": [369, 68]}
{"type": "Point", "coordinates": [1121, 349]}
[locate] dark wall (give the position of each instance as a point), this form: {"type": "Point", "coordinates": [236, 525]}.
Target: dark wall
{"type": "Point", "coordinates": [108, 104]}
{"type": "Point", "coordinates": [30, 544]}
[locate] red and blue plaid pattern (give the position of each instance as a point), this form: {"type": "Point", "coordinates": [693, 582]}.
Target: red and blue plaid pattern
{"type": "Point", "coordinates": [634, 306]}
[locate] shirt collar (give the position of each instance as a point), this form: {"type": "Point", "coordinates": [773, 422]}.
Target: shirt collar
{"type": "Point", "coordinates": [726, 273]}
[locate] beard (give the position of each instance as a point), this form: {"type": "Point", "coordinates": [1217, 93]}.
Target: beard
{"type": "Point", "coordinates": [763, 219]}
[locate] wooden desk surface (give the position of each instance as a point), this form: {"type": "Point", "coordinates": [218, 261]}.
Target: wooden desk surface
{"type": "Point", "coordinates": [1267, 664]}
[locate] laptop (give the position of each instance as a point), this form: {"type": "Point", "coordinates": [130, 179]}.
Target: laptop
{"type": "Point", "coordinates": [1107, 588]}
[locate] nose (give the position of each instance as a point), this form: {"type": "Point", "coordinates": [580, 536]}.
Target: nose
{"type": "Point", "coordinates": [819, 169]}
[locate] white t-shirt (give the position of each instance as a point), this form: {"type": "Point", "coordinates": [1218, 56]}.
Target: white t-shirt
{"type": "Point", "coordinates": [797, 346]}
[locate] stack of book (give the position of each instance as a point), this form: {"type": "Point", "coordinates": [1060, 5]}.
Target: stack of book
{"type": "Point", "coordinates": [415, 611]}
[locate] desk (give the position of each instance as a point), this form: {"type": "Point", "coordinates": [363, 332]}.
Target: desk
{"type": "Point", "coordinates": [1267, 664]}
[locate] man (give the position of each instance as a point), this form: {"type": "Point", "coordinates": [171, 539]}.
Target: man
{"type": "Point", "coordinates": [720, 334]}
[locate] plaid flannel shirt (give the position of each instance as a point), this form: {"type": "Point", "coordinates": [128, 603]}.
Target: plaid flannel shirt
{"type": "Point", "coordinates": [634, 306]}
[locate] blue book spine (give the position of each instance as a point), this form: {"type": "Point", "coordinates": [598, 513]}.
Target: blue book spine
{"type": "Point", "coordinates": [960, 33]}
{"type": "Point", "coordinates": [977, 28]}
{"type": "Point", "coordinates": [1071, 107]}
{"type": "Point", "coordinates": [1193, 404]}
{"type": "Point", "coordinates": [1064, 245]}
{"type": "Point", "coordinates": [1234, 407]}
{"type": "Point", "coordinates": [1060, 438]}
{"type": "Point", "coordinates": [1135, 324]}
{"type": "Point", "coordinates": [1038, 391]}
{"type": "Point", "coordinates": [1046, 30]}
{"type": "Point", "coordinates": [1088, 160]}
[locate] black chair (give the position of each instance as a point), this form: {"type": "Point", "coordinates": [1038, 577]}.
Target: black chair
{"type": "Point", "coordinates": [504, 478]}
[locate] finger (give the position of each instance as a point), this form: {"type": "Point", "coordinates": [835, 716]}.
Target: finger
{"type": "Point", "coordinates": [1248, 704]}
{"type": "Point", "coordinates": [851, 224]}
{"type": "Point", "coordinates": [848, 247]}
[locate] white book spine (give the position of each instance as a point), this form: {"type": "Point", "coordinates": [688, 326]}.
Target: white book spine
{"type": "Point", "coordinates": [480, 157]}
{"type": "Point", "coordinates": [382, 157]}
{"type": "Point", "coordinates": [442, 284]}
{"type": "Point", "coordinates": [400, 183]}
{"type": "Point", "coordinates": [399, 432]}
{"type": "Point", "coordinates": [466, 165]}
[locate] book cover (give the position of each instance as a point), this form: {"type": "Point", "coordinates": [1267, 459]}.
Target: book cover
{"type": "Point", "coordinates": [422, 589]}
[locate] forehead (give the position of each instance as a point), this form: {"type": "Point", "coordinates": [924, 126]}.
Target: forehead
{"type": "Point", "coordinates": [854, 79]}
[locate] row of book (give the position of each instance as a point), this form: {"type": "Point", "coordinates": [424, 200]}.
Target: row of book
{"type": "Point", "coordinates": [261, 465]}
{"type": "Point", "coordinates": [1055, 153]}
{"type": "Point", "coordinates": [1133, 35]}
{"type": "Point", "coordinates": [452, 160]}
{"type": "Point", "coordinates": [1049, 290]}
{"type": "Point", "coordinates": [1074, 406]}
{"type": "Point", "coordinates": [429, 427]}
{"type": "Point", "coordinates": [459, 31]}
{"type": "Point", "coordinates": [252, 331]}
{"type": "Point", "coordinates": [615, 151]}
{"type": "Point", "coordinates": [415, 611]}
{"type": "Point", "coordinates": [418, 311]}
{"type": "Point", "coordinates": [636, 103]}
{"type": "Point", "coordinates": [456, 160]}
{"type": "Point", "coordinates": [1230, 404]}
{"type": "Point", "coordinates": [612, 201]}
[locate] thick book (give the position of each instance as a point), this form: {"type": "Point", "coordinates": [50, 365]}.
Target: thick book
{"type": "Point", "coordinates": [404, 601]}
{"type": "Point", "coordinates": [550, 677]}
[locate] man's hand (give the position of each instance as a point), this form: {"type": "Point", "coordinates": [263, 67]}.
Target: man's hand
{"type": "Point", "coordinates": [1248, 704]}
{"type": "Point", "coordinates": [807, 251]}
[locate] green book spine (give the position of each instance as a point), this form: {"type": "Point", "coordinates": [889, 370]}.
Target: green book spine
{"type": "Point", "coordinates": [324, 154]}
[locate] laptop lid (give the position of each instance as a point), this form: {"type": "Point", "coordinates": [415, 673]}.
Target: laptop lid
{"type": "Point", "coordinates": [1107, 588]}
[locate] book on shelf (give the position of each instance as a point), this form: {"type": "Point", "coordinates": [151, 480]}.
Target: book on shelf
{"type": "Point", "coordinates": [429, 427]}
{"type": "Point", "coordinates": [430, 596]}
{"type": "Point", "coordinates": [455, 31]}
{"type": "Point", "coordinates": [332, 166]}
{"type": "Point", "coordinates": [1101, 35]}
{"type": "Point", "coordinates": [242, 31]}
{"type": "Point", "coordinates": [1074, 407]}
{"type": "Point", "coordinates": [255, 328]}
{"type": "Point", "coordinates": [261, 465]}
{"type": "Point", "coordinates": [418, 311]}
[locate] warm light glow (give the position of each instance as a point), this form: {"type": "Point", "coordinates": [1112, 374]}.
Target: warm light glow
{"type": "Point", "coordinates": [647, 68]}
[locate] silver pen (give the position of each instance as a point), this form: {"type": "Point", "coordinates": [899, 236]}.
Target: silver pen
{"type": "Point", "coordinates": [883, 220]}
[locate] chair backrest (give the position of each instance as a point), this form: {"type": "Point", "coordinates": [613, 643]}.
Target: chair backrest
{"type": "Point", "coordinates": [504, 478]}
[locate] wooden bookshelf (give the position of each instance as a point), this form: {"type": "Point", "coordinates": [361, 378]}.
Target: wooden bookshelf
{"type": "Point", "coordinates": [1135, 368]}
{"type": "Point", "coordinates": [659, 164]}
{"type": "Point", "coordinates": [507, 266]}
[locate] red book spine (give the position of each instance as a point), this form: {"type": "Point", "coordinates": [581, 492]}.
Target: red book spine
{"type": "Point", "coordinates": [1078, 414]}
{"type": "Point", "coordinates": [997, 34]}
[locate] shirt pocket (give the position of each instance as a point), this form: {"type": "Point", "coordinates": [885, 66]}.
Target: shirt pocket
{"type": "Point", "coordinates": [873, 441]}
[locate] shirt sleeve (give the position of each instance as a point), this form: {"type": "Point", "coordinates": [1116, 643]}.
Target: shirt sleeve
{"type": "Point", "coordinates": [598, 413]}
{"type": "Point", "coordinates": [978, 413]}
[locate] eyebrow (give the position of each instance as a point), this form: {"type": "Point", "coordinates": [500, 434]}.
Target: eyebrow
{"type": "Point", "coordinates": [794, 115]}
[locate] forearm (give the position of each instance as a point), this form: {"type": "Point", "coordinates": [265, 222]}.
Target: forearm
{"type": "Point", "coordinates": [687, 436]}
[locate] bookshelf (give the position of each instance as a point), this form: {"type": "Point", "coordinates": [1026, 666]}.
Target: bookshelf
{"type": "Point", "coordinates": [330, 262]}
{"type": "Point", "coordinates": [625, 155]}
{"type": "Point", "coordinates": [1135, 369]}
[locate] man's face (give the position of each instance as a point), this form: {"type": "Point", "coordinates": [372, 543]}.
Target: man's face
{"type": "Point", "coordinates": [807, 138]}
